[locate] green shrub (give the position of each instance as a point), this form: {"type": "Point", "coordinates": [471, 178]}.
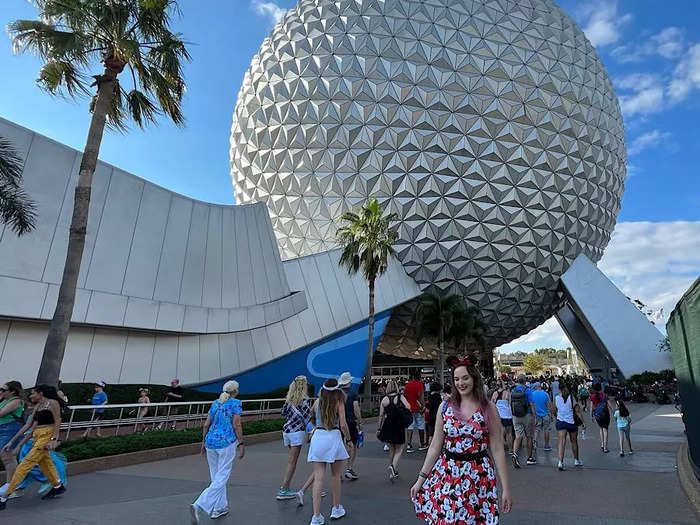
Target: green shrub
{"type": "Point", "coordinates": [648, 378]}
{"type": "Point", "coordinates": [113, 445]}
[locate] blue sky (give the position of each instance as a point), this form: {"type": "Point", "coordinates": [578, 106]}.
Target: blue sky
{"type": "Point", "coordinates": [652, 55]}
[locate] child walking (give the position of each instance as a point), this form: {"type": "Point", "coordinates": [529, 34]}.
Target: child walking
{"type": "Point", "coordinates": [624, 422]}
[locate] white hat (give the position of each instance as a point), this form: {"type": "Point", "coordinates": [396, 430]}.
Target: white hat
{"type": "Point", "coordinates": [101, 383]}
{"type": "Point", "coordinates": [345, 379]}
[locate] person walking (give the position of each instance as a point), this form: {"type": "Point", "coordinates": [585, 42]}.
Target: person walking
{"type": "Point", "coordinates": [142, 411]}
{"type": "Point", "coordinates": [391, 429]}
{"type": "Point", "coordinates": [600, 412]}
{"type": "Point", "coordinates": [523, 418]}
{"type": "Point", "coordinates": [434, 400]}
{"type": "Point", "coordinates": [353, 417]}
{"type": "Point", "coordinates": [624, 424]}
{"type": "Point", "coordinates": [174, 394]}
{"type": "Point", "coordinates": [583, 395]}
{"type": "Point", "coordinates": [543, 419]}
{"type": "Point", "coordinates": [297, 415]}
{"type": "Point", "coordinates": [457, 483]}
{"type": "Point", "coordinates": [99, 398]}
{"type": "Point", "coordinates": [501, 397]}
{"type": "Point", "coordinates": [59, 463]}
{"type": "Point", "coordinates": [222, 438]}
{"type": "Point", "coordinates": [414, 395]}
{"type": "Point", "coordinates": [45, 425]}
{"type": "Point", "coordinates": [326, 447]}
{"type": "Point", "coordinates": [11, 421]}
{"type": "Point", "coordinates": [567, 414]}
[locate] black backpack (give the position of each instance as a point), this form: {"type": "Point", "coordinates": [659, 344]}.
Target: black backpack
{"type": "Point", "coordinates": [518, 402]}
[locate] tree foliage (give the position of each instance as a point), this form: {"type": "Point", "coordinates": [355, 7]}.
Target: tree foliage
{"type": "Point", "coordinates": [17, 210]}
{"type": "Point", "coordinates": [534, 363]}
{"type": "Point", "coordinates": [75, 37]}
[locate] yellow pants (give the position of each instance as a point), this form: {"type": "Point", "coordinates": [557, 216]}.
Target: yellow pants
{"type": "Point", "coordinates": [38, 455]}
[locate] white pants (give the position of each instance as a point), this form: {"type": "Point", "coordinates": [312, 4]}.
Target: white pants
{"type": "Point", "coordinates": [213, 498]}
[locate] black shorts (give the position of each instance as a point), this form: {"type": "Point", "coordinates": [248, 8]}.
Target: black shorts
{"type": "Point", "coordinates": [506, 422]}
{"type": "Point", "coordinates": [354, 432]}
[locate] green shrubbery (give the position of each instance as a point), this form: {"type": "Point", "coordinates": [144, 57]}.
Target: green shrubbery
{"type": "Point", "coordinates": [648, 378]}
{"type": "Point", "coordinates": [113, 445]}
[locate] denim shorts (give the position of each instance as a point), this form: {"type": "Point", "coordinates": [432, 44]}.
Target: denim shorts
{"type": "Point", "coordinates": [565, 425]}
{"type": "Point", "coordinates": [418, 421]}
{"type": "Point", "coordinates": [7, 432]}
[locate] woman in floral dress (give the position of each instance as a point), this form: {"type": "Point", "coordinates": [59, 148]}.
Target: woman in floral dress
{"type": "Point", "coordinates": [457, 484]}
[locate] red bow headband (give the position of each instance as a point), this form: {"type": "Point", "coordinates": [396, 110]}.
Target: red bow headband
{"type": "Point", "coordinates": [454, 362]}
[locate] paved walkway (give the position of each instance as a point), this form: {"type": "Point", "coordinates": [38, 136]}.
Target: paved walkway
{"type": "Point", "coordinates": [639, 489]}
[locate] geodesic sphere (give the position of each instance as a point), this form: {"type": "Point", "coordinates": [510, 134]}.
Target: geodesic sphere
{"type": "Point", "coordinates": [490, 127]}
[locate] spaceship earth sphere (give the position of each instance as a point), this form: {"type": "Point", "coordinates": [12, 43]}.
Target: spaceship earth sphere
{"type": "Point", "coordinates": [490, 127]}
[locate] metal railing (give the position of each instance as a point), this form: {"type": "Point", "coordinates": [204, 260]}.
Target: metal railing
{"type": "Point", "coordinates": [192, 413]}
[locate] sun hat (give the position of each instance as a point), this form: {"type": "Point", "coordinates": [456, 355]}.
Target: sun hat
{"type": "Point", "coordinates": [345, 379]}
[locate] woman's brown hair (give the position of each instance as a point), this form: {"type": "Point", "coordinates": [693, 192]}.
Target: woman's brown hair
{"type": "Point", "coordinates": [328, 400]}
{"type": "Point", "coordinates": [15, 387]}
{"type": "Point", "coordinates": [469, 363]}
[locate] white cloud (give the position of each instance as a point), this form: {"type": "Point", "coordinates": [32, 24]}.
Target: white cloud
{"type": "Point", "coordinates": [603, 25]}
{"type": "Point", "coordinates": [686, 76]}
{"type": "Point", "coordinates": [647, 140]}
{"type": "Point", "coordinates": [655, 262]}
{"type": "Point", "coordinates": [269, 9]}
{"type": "Point", "coordinates": [642, 101]}
{"type": "Point", "coordinates": [668, 43]}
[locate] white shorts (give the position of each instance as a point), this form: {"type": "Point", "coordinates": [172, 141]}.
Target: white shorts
{"type": "Point", "coordinates": [294, 439]}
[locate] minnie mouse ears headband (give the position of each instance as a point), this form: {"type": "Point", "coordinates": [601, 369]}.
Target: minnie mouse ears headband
{"type": "Point", "coordinates": [454, 362]}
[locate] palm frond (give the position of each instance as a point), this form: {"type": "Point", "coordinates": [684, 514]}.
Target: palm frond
{"type": "Point", "coordinates": [16, 208]}
{"type": "Point", "coordinates": [141, 108]}
{"type": "Point", "coordinates": [55, 75]}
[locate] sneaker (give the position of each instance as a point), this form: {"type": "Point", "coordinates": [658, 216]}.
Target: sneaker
{"type": "Point", "coordinates": [337, 512]}
{"type": "Point", "coordinates": [578, 463]}
{"type": "Point", "coordinates": [622, 454]}
{"type": "Point", "coordinates": [606, 450]}
{"type": "Point", "coordinates": [45, 487]}
{"type": "Point", "coordinates": [351, 474]}
{"type": "Point", "coordinates": [386, 448]}
{"type": "Point", "coordinates": [317, 520]}
{"type": "Point", "coordinates": [631, 452]}
{"type": "Point", "coordinates": [16, 494]}
{"type": "Point", "coordinates": [300, 498]}
{"type": "Point", "coordinates": [423, 447]}
{"type": "Point", "coordinates": [560, 465]}
{"type": "Point", "coordinates": [531, 461]}
{"type": "Point", "coordinates": [410, 449]}
{"type": "Point", "coordinates": [285, 494]}
{"type": "Point", "coordinates": [392, 473]}
{"type": "Point", "coordinates": [516, 461]}
{"type": "Point", "coordinates": [55, 491]}
{"type": "Point", "coordinates": [194, 514]}
{"type": "Point", "coordinates": [219, 513]}
{"type": "Point", "coordinates": [547, 449]}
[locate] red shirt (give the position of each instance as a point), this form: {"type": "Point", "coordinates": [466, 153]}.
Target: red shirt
{"type": "Point", "coordinates": [413, 392]}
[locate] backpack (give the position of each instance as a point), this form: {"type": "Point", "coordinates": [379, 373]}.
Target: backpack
{"type": "Point", "coordinates": [518, 402]}
{"type": "Point", "coordinates": [399, 413]}
{"type": "Point", "coordinates": [601, 407]}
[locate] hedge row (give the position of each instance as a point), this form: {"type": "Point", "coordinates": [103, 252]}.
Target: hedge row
{"type": "Point", "coordinates": [113, 445]}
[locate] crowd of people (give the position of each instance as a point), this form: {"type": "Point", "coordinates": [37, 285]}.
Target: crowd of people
{"type": "Point", "coordinates": [467, 428]}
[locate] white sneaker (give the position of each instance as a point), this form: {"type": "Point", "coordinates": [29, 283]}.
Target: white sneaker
{"type": "Point", "coordinates": [317, 520]}
{"type": "Point", "coordinates": [300, 498]}
{"type": "Point", "coordinates": [578, 463]}
{"type": "Point", "coordinates": [386, 448]}
{"type": "Point", "coordinates": [337, 512]}
{"type": "Point", "coordinates": [560, 465]}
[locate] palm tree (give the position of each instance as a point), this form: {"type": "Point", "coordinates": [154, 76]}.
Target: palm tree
{"type": "Point", "coordinates": [16, 208]}
{"type": "Point", "coordinates": [367, 245]}
{"type": "Point", "coordinates": [72, 37]}
{"type": "Point", "coordinates": [435, 316]}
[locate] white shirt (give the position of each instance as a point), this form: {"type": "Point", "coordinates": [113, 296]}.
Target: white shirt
{"type": "Point", "coordinates": [565, 410]}
{"type": "Point", "coordinates": [504, 411]}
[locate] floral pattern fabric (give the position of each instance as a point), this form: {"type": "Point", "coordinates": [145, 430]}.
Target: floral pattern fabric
{"type": "Point", "coordinates": [460, 492]}
{"type": "Point", "coordinates": [221, 433]}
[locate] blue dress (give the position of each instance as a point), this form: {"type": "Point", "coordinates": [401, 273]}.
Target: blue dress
{"type": "Point", "coordinates": [59, 461]}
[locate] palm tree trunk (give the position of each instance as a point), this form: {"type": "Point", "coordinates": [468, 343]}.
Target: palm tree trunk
{"type": "Point", "coordinates": [55, 345]}
{"type": "Point", "coordinates": [370, 344]}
